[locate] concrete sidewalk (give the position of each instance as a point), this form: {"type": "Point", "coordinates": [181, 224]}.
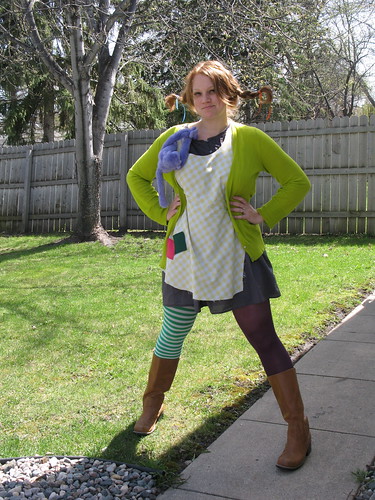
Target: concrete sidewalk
{"type": "Point", "coordinates": [337, 379]}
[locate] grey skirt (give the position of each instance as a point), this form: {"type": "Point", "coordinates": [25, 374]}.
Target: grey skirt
{"type": "Point", "coordinates": [259, 285]}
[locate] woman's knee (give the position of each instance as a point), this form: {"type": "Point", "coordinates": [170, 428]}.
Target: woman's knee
{"type": "Point", "coordinates": [177, 323]}
{"type": "Point", "coordinates": [255, 319]}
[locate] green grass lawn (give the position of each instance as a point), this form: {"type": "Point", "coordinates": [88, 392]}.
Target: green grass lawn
{"type": "Point", "coordinates": [78, 323]}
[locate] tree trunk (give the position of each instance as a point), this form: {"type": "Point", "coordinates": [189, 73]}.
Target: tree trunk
{"type": "Point", "coordinates": [89, 227]}
{"type": "Point", "coordinates": [49, 116]}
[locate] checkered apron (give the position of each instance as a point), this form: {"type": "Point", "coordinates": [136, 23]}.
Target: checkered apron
{"type": "Point", "coordinates": [204, 255]}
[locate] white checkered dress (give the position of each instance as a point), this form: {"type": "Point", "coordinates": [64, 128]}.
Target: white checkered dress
{"type": "Point", "coordinates": [212, 266]}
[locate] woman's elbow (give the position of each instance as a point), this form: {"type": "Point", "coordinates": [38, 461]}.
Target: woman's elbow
{"type": "Point", "coordinates": [130, 179]}
{"type": "Point", "coordinates": [306, 185]}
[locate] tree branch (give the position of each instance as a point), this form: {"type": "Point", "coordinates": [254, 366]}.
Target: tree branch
{"type": "Point", "coordinates": [44, 54]}
{"type": "Point", "coordinates": [107, 76]}
{"type": "Point", "coordinates": [124, 10]}
{"type": "Point", "coordinates": [367, 92]}
{"type": "Point", "coordinates": [329, 109]}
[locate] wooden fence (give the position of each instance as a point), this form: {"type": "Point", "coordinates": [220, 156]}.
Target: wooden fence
{"type": "Point", "coordinates": [38, 184]}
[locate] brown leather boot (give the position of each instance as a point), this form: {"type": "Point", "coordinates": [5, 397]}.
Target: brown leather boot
{"type": "Point", "coordinates": [160, 379]}
{"type": "Point", "coordinates": [298, 445]}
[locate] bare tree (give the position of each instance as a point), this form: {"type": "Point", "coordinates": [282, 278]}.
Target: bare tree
{"type": "Point", "coordinates": [71, 39]}
{"type": "Point", "coordinates": [353, 43]}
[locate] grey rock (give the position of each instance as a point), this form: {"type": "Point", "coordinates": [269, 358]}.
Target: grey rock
{"type": "Point", "coordinates": [51, 478]}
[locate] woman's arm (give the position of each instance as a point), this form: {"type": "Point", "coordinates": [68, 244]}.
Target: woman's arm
{"type": "Point", "coordinates": [140, 177]}
{"type": "Point", "coordinates": [294, 184]}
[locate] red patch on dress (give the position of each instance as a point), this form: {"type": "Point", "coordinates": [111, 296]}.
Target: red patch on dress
{"type": "Point", "coordinates": [170, 248]}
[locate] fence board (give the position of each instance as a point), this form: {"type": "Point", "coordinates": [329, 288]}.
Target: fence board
{"type": "Point", "coordinates": [298, 153]}
{"type": "Point", "coordinates": [370, 229]}
{"type": "Point", "coordinates": [39, 191]}
{"type": "Point", "coordinates": [336, 224]}
{"type": "Point", "coordinates": [124, 191]}
{"type": "Point", "coordinates": [362, 178]}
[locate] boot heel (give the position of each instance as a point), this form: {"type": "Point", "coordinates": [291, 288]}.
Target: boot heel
{"type": "Point", "coordinates": [146, 425]}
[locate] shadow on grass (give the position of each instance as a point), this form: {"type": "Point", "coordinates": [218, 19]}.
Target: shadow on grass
{"type": "Point", "coordinates": [123, 448]}
{"type": "Point", "coordinates": [72, 240]}
{"type": "Point", "coordinates": [270, 239]}
{"type": "Point", "coordinates": [16, 254]}
{"type": "Point", "coordinates": [293, 239]}
{"type": "Point", "coordinates": [177, 457]}
{"type": "Point", "coordinates": [318, 239]}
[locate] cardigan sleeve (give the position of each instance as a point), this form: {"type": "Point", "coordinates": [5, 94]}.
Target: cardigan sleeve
{"type": "Point", "coordinates": [294, 184]}
{"type": "Point", "coordinates": [140, 177]}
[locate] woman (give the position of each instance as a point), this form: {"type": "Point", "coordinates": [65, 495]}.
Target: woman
{"type": "Point", "coordinates": [214, 253]}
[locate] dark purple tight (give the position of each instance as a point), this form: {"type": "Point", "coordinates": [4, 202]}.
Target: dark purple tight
{"type": "Point", "coordinates": [256, 323]}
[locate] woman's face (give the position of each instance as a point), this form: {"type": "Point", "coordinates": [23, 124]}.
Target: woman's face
{"type": "Point", "coordinates": [207, 103]}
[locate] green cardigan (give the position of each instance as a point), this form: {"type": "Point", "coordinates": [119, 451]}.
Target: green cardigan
{"type": "Point", "coordinates": [253, 152]}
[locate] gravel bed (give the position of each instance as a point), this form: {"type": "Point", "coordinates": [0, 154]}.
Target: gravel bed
{"type": "Point", "coordinates": [79, 478]}
{"type": "Point", "coordinates": [54, 478]}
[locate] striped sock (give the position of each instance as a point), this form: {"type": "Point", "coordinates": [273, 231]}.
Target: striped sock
{"type": "Point", "coordinates": [177, 323]}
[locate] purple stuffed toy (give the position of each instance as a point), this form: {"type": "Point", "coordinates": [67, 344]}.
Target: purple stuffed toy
{"type": "Point", "coordinates": [172, 157]}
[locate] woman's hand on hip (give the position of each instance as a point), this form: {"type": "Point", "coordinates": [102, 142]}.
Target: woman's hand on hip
{"type": "Point", "coordinates": [173, 207]}
{"type": "Point", "coordinates": [242, 209]}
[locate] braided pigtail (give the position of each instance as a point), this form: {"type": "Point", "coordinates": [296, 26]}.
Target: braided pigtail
{"type": "Point", "coordinates": [171, 101]}
{"type": "Point", "coordinates": [264, 95]}
{"type": "Point", "coordinates": [174, 101]}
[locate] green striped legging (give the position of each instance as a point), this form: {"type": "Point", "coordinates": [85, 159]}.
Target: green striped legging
{"type": "Point", "coordinates": [255, 320]}
{"type": "Point", "coordinates": [177, 323]}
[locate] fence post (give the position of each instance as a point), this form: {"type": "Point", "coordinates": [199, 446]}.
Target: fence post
{"type": "Point", "coordinates": [26, 188]}
{"type": "Point", "coordinates": [371, 178]}
{"type": "Point", "coordinates": [124, 157]}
